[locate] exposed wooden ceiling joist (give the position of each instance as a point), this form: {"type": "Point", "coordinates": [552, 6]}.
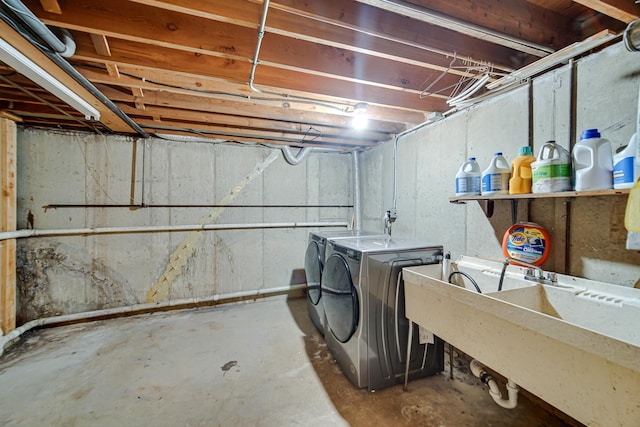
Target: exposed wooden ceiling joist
{"type": "Point", "coordinates": [182, 66]}
{"type": "Point", "coordinates": [108, 117]}
{"type": "Point", "coordinates": [622, 10]}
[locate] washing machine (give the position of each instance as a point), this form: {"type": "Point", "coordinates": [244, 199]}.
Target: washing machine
{"type": "Point", "coordinates": [314, 263]}
{"type": "Point", "coordinates": [363, 300]}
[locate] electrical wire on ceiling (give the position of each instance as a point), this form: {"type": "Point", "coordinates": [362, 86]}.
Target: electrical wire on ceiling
{"type": "Point", "coordinates": [222, 93]}
{"type": "Point", "coordinates": [48, 103]}
{"type": "Point", "coordinates": [22, 20]}
{"type": "Point", "coordinates": [231, 135]}
{"type": "Point", "coordinates": [205, 137]}
{"type": "Point", "coordinates": [348, 108]}
{"type": "Point", "coordinates": [476, 76]}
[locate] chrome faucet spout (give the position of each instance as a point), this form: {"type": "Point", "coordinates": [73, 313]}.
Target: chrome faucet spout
{"type": "Point", "coordinates": [526, 264]}
{"type": "Point", "coordinates": [531, 269]}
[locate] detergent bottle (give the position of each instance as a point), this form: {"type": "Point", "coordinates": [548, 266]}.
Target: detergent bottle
{"type": "Point", "coordinates": [520, 182]}
{"type": "Point", "coordinates": [593, 162]}
{"type": "Point", "coordinates": [625, 170]}
{"type": "Point", "coordinates": [468, 178]}
{"type": "Point", "coordinates": [495, 179]}
{"type": "Point", "coordinates": [552, 171]}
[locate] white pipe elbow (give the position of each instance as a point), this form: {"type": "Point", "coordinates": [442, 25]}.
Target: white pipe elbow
{"type": "Point", "coordinates": [512, 402]}
{"type": "Point", "coordinates": [494, 390]}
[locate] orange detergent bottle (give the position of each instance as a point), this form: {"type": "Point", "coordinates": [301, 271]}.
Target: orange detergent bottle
{"type": "Point", "coordinates": [520, 182]}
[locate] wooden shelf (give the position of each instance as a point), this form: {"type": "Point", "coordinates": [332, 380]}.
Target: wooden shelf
{"type": "Point", "coordinates": [564, 194]}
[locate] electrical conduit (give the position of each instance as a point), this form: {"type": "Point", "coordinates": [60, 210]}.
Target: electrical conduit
{"type": "Point", "coordinates": [254, 63]}
{"type": "Point", "coordinates": [58, 48]}
{"type": "Point", "coordinates": [37, 26]}
{"type": "Point", "coordinates": [357, 214]}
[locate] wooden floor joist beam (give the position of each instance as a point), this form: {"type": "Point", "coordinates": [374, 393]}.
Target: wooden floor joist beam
{"type": "Point", "coordinates": [7, 223]}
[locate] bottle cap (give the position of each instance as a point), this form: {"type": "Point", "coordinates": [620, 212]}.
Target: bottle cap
{"type": "Point", "coordinates": [590, 133]}
{"type": "Point", "coordinates": [499, 153]}
{"type": "Point", "coordinates": [524, 151]}
{"type": "Point", "coordinates": [472, 159]}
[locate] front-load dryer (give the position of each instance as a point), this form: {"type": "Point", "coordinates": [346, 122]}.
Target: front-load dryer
{"type": "Point", "coordinates": [363, 298]}
{"type": "Point", "coordinates": [314, 263]}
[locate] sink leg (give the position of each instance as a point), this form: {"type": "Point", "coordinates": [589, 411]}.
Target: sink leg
{"type": "Point", "coordinates": [450, 360]}
{"type": "Point", "coordinates": [408, 359]}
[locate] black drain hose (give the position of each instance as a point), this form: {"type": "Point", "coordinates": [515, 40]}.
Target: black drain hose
{"type": "Point", "coordinates": [467, 276]}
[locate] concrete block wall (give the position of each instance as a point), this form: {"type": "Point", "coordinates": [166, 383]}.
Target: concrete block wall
{"type": "Point", "coordinates": [66, 275]}
{"type": "Point", "coordinates": [607, 85]}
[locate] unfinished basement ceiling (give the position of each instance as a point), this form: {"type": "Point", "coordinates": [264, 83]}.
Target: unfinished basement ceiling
{"type": "Point", "coordinates": [185, 66]}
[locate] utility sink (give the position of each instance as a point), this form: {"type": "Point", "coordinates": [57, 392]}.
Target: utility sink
{"type": "Point", "coordinates": [612, 315]}
{"type": "Point", "coordinates": [573, 343]}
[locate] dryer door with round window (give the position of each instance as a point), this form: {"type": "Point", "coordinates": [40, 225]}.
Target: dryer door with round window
{"type": "Point", "coordinates": [340, 298]}
{"type": "Point", "coordinates": [313, 271]}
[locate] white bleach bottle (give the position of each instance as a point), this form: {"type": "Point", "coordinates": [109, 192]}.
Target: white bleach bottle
{"type": "Point", "coordinates": [495, 179]}
{"type": "Point", "coordinates": [468, 178]}
{"type": "Point", "coordinates": [552, 171]}
{"type": "Point", "coordinates": [593, 162]}
{"type": "Point", "coordinates": [625, 169]}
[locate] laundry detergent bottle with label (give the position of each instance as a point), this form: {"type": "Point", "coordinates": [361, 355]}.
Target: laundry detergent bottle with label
{"type": "Point", "coordinates": [495, 179]}
{"type": "Point", "coordinates": [552, 171]}
{"type": "Point", "coordinates": [521, 176]}
{"type": "Point", "coordinates": [593, 162]}
{"type": "Point", "coordinates": [468, 178]}
{"type": "Point", "coordinates": [625, 170]}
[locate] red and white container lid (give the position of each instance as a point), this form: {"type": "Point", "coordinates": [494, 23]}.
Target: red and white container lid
{"type": "Point", "coordinates": [527, 242]}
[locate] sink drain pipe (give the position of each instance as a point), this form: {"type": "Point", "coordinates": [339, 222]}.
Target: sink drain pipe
{"type": "Point", "coordinates": [494, 390]}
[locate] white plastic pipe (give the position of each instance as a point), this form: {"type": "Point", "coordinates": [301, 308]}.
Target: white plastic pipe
{"type": "Point", "coordinates": [494, 390]}
{"type": "Point", "coordinates": [357, 214]}
{"type": "Point", "coordinates": [67, 40]}
{"type": "Point", "coordinates": [134, 309]}
{"type": "Point", "coordinates": [19, 234]}
{"type": "Point", "coordinates": [36, 25]}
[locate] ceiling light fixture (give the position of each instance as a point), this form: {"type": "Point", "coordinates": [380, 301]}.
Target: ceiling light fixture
{"type": "Point", "coordinates": [360, 120]}
{"type": "Point", "coordinates": [25, 66]}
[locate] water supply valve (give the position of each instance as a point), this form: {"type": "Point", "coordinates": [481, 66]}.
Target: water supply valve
{"type": "Point", "coordinates": [389, 218]}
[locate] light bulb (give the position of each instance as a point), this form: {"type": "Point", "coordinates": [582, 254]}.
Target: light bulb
{"type": "Point", "coordinates": [359, 122]}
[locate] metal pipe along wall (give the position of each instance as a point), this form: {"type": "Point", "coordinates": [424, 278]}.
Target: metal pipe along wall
{"type": "Point", "coordinates": [20, 234]}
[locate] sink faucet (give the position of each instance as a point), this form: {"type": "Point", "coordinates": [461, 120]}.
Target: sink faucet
{"type": "Point", "coordinates": [550, 278]}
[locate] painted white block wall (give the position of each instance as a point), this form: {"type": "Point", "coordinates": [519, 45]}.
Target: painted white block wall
{"type": "Point", "coordinates": [428, 159]}
{"type": "Point", "coordinates": [74, 274]}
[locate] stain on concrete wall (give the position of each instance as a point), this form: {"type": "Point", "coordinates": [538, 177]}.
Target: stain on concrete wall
{"type": "Point", "coordinates": [186, 249]}
{"type": "Point", "coordinates": [54, 279]}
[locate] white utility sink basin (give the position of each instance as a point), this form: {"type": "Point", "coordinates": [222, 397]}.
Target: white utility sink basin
{"type": "Point", "coordinates": [573, 343]}
{"type": "Point", "coordinates": [611, 315]}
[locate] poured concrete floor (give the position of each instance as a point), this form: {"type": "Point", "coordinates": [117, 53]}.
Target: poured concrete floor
{"type": "Point", "coordinates": [252, 364]}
